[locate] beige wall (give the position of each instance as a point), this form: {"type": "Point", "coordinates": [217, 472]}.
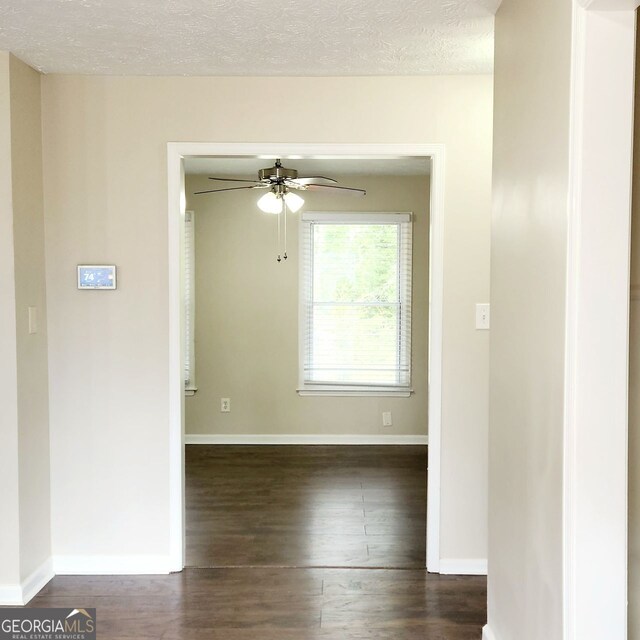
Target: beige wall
{"type": "Point", "coordinates": [9, 462]}
{"type": "Point", "coordinates": [106, 201]}
{"type": "Point", "coordinates": [247, 317]}
{"type": "Point", "coordinates": [528, 257]}
{"type": "Point", "coordinates": [33, 385]}
{"type": "Point", "coordinates": [24, 454]}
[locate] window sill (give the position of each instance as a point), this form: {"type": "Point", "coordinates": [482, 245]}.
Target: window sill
{"type": "Point", "coordinates": [342, 392]}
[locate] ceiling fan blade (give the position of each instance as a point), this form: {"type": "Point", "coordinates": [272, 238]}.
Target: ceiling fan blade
{"type": "Point", "coordinates": [324, 188]}
{"type": "Point", "coordinates": [256, 186]}
{"type": "Point", "coordinates": [310, 179]}
{"type": "Point", "coordinates": [235, 180]}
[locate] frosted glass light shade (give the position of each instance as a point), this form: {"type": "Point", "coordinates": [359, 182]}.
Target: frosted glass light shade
{"type": "Point", "coordinates": [270, 203]}
{"type": "Point", "coordinates": [294, 201]}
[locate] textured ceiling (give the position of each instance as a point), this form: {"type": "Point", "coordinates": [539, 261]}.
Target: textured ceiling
{"type": "Point", "coordinates": [251, 37]}
{"type": "Point", "coordinates": [247, 167]}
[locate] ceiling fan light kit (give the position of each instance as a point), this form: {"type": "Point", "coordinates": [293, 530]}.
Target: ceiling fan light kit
{"type": "Point", "coordinates": [270, 203]}
{"type": "Point", "coordinates": [294, 201]}
{"type": "Point", "coordinates": [280, 181]}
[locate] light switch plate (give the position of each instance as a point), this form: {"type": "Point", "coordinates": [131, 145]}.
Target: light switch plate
{"type": "Point", "coordinates": [33, 320]}
{"type": "Point", "coordinates": [483, 316]}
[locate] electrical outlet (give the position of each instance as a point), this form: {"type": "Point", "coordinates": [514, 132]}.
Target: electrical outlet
{"type": "Point", "coordinates": [225, 405]}
{"type": "Point", "coordinates": [386, 419]}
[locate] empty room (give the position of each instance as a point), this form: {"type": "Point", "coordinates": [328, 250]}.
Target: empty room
{"type": "Point", "coordinates": [306, 378]}
{"type": "Point", "coordinates": [314, 320]}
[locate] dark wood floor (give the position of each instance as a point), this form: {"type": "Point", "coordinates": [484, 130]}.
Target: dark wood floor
{"type": "Point", "coordinates": [306, 506]}
{"type": "Point", "coordinates": [277, 604]}
{"type": "Point", "coordinates": [333, 506]}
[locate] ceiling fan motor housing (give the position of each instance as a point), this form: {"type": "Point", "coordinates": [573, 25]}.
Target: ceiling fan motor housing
{"type": "Point", "coordinates": [277, 174]}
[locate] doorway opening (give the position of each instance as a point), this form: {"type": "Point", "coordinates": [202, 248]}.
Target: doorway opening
{"type": "Point", "coordinates": [284, 484]}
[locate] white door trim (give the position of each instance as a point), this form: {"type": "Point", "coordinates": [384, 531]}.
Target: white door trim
{"type": "Point", "coordinates": [609, 5]}
{"type": "Point", "coordinates": [177, 206]}
{"type": "Point", "coordinates": [176, 151]}
{"type": "Point", "coordinates": [597, 311]}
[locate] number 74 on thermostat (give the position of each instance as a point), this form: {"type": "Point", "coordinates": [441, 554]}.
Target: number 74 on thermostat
{"type": "Point", "coordinates": [96, 276]}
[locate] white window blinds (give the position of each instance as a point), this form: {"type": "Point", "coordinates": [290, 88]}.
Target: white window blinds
{"type": "Point", "coordinates": [189, 301]}
{"type": "Point", "coordinates": [356, 300]}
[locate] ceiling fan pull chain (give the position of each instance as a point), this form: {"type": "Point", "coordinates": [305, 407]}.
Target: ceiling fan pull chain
{"type": "Point", "coordinates": [279, 242]}
{"type": "Point", "coordinates": [284, 213]}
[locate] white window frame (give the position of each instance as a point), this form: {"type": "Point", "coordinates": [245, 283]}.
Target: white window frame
{"type": "Point", "coordinates": [189, 268]}
{"type": "Point", "coordinates": [318, 389]}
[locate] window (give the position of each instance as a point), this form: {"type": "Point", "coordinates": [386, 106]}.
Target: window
{"type": "Point", "coordinates": [189, 302]}
{"type": "Point", "coordinates": [355, 304]}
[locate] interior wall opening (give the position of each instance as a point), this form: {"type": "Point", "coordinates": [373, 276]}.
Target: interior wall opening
{"type": "Point", "coordinates": [276, 475]}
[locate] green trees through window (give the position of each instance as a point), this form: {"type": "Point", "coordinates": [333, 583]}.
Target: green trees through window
{"type": "Point", "coordinates": [358, 303]}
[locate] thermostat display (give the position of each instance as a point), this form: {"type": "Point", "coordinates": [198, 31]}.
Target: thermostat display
{"type": "Point", "coordinates": [91, 276]}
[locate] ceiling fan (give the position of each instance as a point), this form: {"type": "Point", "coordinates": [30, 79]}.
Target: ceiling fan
{"type": "Point", "coordinates": [281, 184]}
{"type": "Point", "coordinates": [280, 181]}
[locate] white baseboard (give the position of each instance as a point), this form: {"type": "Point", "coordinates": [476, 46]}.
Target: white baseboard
{"type": "Point", "coordinates": [32, 585]}
{"type": "Point", "coordinates": [487, 634]}
{"type": "Point", "coordinates": [197, 438]}
{"type": "Point", "coordinates": [10, 595]}
{"type": "Point", "coordinates": [21, 594]}
{"type": "Point", "coordinates": [111, 565]}
{"type": "Point", "coordinates": [463, 567]}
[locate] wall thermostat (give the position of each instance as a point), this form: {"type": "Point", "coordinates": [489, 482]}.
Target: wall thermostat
{"type": "Point", "coordinates": [96, 276]}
